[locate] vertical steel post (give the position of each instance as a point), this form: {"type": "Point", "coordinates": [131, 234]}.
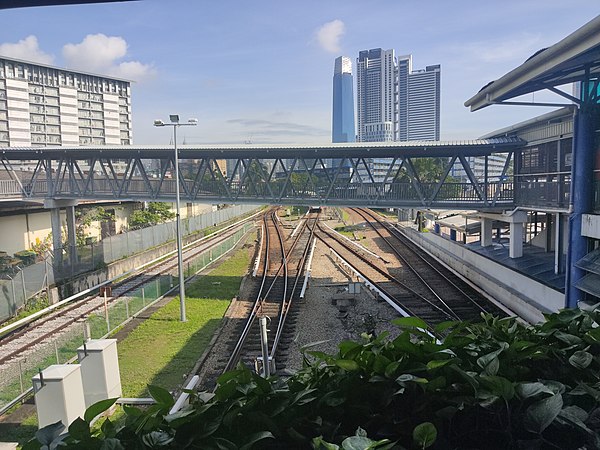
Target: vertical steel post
{"type": "Point", "coordinates": [581, 193]}
{"type": "Point", "coordinates": [264, 346]}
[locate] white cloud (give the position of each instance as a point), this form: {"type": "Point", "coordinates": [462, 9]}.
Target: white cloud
{"type": "Point", "coordinates": [27, 49]}
{"type": "Point", "coordinates": [329, 35]}
{"type": "Point", "coordinates": [101, 54]}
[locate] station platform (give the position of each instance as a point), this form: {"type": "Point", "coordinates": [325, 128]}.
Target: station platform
{"type": "Point", "coordinates": [525, 286]}
{"type": "Point", "coordinates": [535, 262]}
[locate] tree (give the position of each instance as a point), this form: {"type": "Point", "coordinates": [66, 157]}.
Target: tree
{"type": "Point", "coordinates": [157, 212]}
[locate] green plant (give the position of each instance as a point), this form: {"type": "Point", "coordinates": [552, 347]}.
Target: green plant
{"type": "Point", "coordinates": [495, 384]}
{"type": "Point", "coordinates": [157, 212]}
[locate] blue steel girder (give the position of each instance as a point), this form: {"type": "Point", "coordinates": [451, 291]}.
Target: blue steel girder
{"type": "Point", "coordinates": [265, 175]}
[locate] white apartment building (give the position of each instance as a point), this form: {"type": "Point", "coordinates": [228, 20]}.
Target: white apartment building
{"type": "Point", "coordinates": [42, 105]}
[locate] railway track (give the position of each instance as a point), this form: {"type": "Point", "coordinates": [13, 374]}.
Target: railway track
{"type": "Point", "coordinates": [283, 260]}
{"type": "Point", "coordinates": [462, 298]}
{"type": "Point", "coordinates": [22, 342]}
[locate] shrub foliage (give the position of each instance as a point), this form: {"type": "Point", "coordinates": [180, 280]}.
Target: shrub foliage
{"type": "Point", "coordinates": [496, 384]}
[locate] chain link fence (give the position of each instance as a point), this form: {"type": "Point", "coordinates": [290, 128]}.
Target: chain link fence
{"type": "Point", "coordinates": [22, 283]}
{"type": "Point", "coordinates": [15, 375]}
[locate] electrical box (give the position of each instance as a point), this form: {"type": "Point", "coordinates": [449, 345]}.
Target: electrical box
{"type": "Point", "coordinates": [99, 370]}
{"type": "Point", "coordinates": [59, 394]}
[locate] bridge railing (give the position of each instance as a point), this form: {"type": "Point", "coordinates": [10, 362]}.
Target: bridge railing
{"type": "Point", "coordinates": [543, 193]}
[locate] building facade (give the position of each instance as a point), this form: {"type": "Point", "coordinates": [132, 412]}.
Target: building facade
{"type": "Point", "coordinates": [423, 104]}
{"type": "Point", "coordinates": [377, 95]}
{"type": "Point", "coordinates": [42, 105]}
{"type": "Point", "coordinates": [343, 101]}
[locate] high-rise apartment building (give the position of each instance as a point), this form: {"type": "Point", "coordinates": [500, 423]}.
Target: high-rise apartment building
{"type": "Point", "coordinates": [395, 102]}
{"type": "Point", "coordinates": [42, 105]}
{"type": "Point", "coordinates": [377, 95]}
{"type": "Point", "coordinates": [424, 104]}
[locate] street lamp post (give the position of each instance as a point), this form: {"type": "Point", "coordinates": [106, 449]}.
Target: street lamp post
{"type": "Point", "coordinates": [174, 118]}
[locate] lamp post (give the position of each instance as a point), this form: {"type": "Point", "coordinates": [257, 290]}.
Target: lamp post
{"type": "Point", "coordinates": [174, 122]}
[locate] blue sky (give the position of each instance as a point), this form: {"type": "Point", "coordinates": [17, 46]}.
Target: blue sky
{"type": "Point", "coordinates": [262, 70]}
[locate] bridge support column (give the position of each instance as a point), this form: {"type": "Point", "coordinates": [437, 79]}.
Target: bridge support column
{"type": "Point", "coordinates": [55, 207]}
{"type": "Point", "coordinates": [56, 236]}
{"type": "Point", "coordinates": [486, 232]}
{"type": "Point", "coordinates": [582, 199]}
{"type": "Point", "coordinates": [71, 235]}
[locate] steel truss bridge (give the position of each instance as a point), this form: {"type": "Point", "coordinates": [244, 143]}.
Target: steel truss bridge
{"type": "Point", "coordinates": [409, 174]}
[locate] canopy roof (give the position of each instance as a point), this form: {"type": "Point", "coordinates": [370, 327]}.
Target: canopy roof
{"type": "Point", "coordinates": [574, 58]}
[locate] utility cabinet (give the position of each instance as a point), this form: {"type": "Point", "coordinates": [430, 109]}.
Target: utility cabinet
{"type": "Point", "coordinates": [59, 394]}
{"type": "Point", "coordinates": [99, 370]}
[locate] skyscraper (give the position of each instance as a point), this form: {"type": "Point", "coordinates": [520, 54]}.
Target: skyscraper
{"type": "Point", "coordinates": [377, 95]}
{"type": "Point", "coordinates": [394, 103]}
{"type": "Point", "coordinates": [424, 104]}
{"type": "Point", "coordinates": [343, 101]}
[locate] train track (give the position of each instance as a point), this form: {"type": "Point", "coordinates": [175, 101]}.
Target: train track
{"type": "Point", "coordinates": [283, 260]}
{"type": "Point", "coordinates": [419, 287]}
{"type": "Point", "coordinates": [436, 282]}
{"type": "Point", "coordinates": [22, 342]}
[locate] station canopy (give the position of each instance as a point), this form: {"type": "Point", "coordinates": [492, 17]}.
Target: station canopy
{"type": "Point", "coordinates": [575, 58]}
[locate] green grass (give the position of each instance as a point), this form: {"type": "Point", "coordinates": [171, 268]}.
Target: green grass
{"type": "Point", "coordinates": [163, 350]}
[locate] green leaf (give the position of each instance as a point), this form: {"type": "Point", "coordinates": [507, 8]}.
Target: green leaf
{"type": "Point", "coordinates": [254, 438]}
{"type": "Point", "coordinates": [132, 411]}
{"type": "Point", "coordinates": [410, 322]}
{"type": "Point", "coordinates": [347, 346]}
{"type": "Point", "coordinates": [424, 434]}
{"type": "Point", "coordinates": [162, 396]}
{"type": "Point", "coordinates": [49, 433]}
{"type": "Point", "coordinates": [567, 338]}
{"type": "Point", "coordinates": [436, 363]}
{"type": "Point", "coordinates": [98, 408]}
{"type": "Point", "coordinates": [443, 326]}
{"type": "Point", "coordinates": [484, 360]}
{"type": "Point", "coordinates": [80, 429]}
{"type": "Point", "coordinates": [526, 390]}
{"type": "Point", "coordinates": [319, 444]}
{"type": "Point", "coordinates": [111, 444]}
{"type": "Point", "coordinates": [581, 359]}
{"type": "Point", "coordinates": [357, 443]}
{"type": "Point", "coordinates": [492, 367]}
{"type": "Point", "coordinates": [501, 386]}
{"type": "Point", "coordinates": [157, 439]}
{"type": "Point", "coordinates": [542, 413]}
{"type": "Point", "coordinates": [347, 364]}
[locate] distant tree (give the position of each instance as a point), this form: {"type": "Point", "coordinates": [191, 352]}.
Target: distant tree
{"type": "Point", "coordinates": [157, 212]}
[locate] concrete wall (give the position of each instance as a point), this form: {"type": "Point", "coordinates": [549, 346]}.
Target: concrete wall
{"type": "Point", "coordinates": [524, 296]}
{"type": "Point", "coordinates": [22, 231]}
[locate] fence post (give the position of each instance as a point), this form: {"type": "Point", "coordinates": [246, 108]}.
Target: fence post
{"type": "Point", "coordinates": [127, 306]}
{"type": "Point", "coordinates": [106, 313]}
{"type": "Point", "coordinates": [24, 290]}
{"type": "Point", "coordinates": [56, 351]}
{"type": "Point", "coordinates": [21, 375]}
{"type": "Point", "coordinates": [12, 285]}
{"type": "Point", "coordinates": [144, 297]}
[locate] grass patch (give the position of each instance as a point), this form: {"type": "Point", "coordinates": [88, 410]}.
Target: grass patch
{"type": "Point", "coordinates": [163, 350]}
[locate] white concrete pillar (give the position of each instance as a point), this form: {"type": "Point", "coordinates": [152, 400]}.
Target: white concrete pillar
{"type": "Point", "coordinates": [486, 232]}
{"type": "Point", "coordinates": [516, 240]}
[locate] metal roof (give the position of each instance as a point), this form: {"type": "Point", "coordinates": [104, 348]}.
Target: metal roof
{"type": "Point", "coordinates": [415, 149]}
{"type": "Point", "coordinates": [564, 62]}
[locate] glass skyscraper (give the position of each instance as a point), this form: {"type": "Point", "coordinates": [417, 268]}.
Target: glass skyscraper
{"type": "Point", "coordinates": [343, 101]}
